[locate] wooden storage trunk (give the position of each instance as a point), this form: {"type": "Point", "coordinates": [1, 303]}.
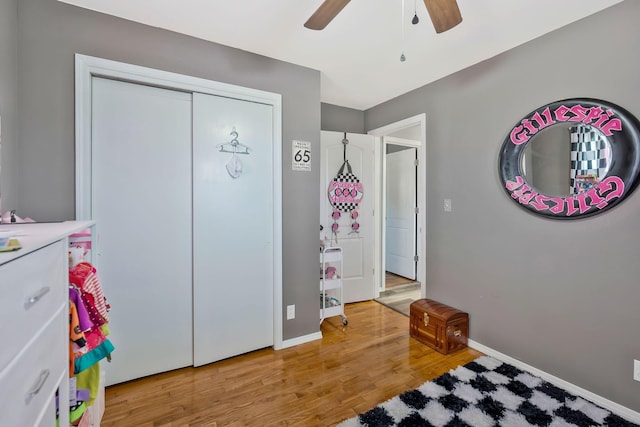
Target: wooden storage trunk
{"type": "Point", "coordinates": [443, 328]}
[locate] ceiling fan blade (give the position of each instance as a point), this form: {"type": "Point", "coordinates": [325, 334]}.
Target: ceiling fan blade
{"type": "Point", "coordinates": [444, 14]}
{"type": "Point", "coordinates": [325, 13]}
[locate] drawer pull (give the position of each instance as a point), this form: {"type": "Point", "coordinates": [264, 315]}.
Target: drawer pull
{"type": "Point", "coordinates": [457, 333]}
{"type": "Point", "coordinates": [35, 298]}
{"type": "Point", "coordinates": [37, 386]}
{"type": "Point", "coordinates": [426, 319]}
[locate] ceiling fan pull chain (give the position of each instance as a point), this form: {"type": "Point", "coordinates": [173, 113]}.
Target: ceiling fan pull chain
{"type": "Point", "coordinates": [402, 56]}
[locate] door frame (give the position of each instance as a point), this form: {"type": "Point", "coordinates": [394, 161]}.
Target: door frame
{"type": "Point", "coordinates": [86, 67]}
{"type": "Point", "coordinates": [421, 226]}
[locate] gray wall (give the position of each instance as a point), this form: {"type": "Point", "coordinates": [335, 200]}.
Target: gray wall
{"type": "Point", "coordinates": [560, 295]}
{"type": "Point", "coordinates": [8, 96]}
{"type": "Point", "coordinates": [341, 119]}
{"type": "Point", "coordinates": [50, 33]}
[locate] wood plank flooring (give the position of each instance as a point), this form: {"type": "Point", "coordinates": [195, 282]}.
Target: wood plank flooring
{"type": "Point", "coordinates": [391, 280]}
{"type": "Point", "coordinates": [320, 383]}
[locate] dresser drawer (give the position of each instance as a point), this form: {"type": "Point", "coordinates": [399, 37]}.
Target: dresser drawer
{"type": "Point", "coordinates": [33, 288]}
{"type": "Point", "coordinates": [28, 384]}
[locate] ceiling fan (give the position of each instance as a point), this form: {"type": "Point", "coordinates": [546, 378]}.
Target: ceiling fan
{"type": "Point", "coordinates": [444, 14]}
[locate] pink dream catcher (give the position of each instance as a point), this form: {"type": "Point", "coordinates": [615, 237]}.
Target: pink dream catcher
{"type": "Point", "coordinates": [345, 194]}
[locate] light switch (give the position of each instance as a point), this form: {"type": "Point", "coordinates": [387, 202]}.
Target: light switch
{"type": "Point", "coordinates": [447, 205]}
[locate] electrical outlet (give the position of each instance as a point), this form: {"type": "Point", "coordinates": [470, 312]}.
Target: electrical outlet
{"type": "Point", "coordinates": [636, 370]}
{"type": "Point", "coordinates": [291, 312]}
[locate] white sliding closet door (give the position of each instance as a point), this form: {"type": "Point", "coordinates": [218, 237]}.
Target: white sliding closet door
{"type": "Point", "coordinates": [141, 199]}
{"type": "Point", "coordinates": [233, 232]}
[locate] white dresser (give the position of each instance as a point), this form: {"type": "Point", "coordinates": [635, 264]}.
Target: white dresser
{"type": "Point", "coordinates": [34, 324]}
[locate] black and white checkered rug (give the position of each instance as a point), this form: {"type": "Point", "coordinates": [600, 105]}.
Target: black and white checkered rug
{"type": "Point", "coordinates": [486, 393]}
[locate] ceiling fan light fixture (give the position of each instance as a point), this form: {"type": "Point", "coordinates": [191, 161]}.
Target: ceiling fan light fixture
{"type": "Point", "coordinates": [444, 14]}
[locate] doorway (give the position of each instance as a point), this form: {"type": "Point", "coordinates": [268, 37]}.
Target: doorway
{"type": "Point", "coordinates": [399, 174]}
{"type": "Point", "coordinates": [406, 135]}
{"type": "Point", "coordinates": [400, 220]}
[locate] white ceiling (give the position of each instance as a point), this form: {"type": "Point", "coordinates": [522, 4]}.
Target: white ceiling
{"type": "Point", "coordinates": [358, 53]}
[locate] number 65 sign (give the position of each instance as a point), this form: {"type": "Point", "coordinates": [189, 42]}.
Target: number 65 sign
{"type": "Point", "coordinates": [301, 156]}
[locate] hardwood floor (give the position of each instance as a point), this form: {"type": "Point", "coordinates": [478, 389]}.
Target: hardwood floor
{"type": "Point", "coordinates": [391, 280]}
{"type": "Point", "coordinates": [320, 383]}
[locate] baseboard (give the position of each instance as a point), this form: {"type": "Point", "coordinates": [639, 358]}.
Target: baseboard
{"type": "Point", "coordinates": [614, 407]}
{"type": "Point", "coordinates": [301, 340]}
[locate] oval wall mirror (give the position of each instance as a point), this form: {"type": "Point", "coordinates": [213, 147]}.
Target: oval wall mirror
{"type": "Point", "coordinates": [572, 158]}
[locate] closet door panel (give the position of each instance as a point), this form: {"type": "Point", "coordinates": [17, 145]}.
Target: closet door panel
{"type": "Point", "coordinates": [141, 199]}
{"type": "Point", "coordinates": [232, 229]}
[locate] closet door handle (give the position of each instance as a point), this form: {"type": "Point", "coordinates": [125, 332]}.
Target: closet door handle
{"type": "Point", "coordinates": [37, 386]}
{"type": "Point", "coordinates": [35, 298]}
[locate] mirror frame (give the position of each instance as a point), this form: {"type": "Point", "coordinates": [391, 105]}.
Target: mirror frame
{"type": "Point", "coordinates": [622, 131]}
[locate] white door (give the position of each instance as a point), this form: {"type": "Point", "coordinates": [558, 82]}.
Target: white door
{"type": "Point", "coordinates": [357, 247]}
{"type": "Point", "coordinates": [141, 201]}
{"type": "Point", "coordinates": [233, 248]}
{"type": "Point", "coordinates": [400, 231]}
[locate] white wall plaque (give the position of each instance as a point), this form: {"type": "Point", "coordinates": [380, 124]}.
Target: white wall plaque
{"type": "Point", "coordinates": [301, 156]}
